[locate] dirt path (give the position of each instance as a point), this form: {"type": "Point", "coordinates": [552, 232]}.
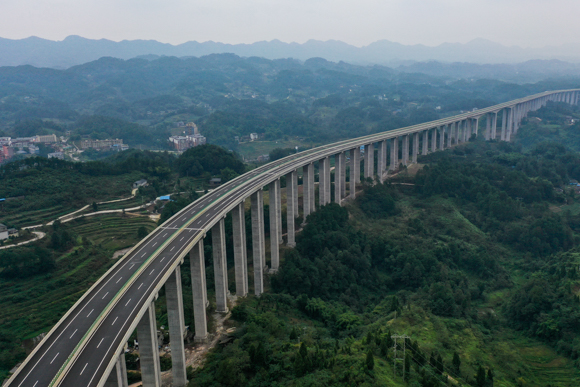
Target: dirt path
{"type": "Point", "coordinates": [39, 235]}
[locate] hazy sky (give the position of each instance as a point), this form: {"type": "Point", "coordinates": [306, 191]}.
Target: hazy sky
{"type": "Point", "coordinates": [528, 23]}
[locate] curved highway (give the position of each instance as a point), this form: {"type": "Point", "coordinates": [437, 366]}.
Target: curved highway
{"type": "Point", "coordinates": [81, 348]}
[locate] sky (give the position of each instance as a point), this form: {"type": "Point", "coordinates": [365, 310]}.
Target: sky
{"type": "Point", "coordinates": [526, 23]}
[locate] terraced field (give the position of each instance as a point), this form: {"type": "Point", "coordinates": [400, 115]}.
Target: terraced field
{"type": "Point", "coordinates": [130, 203]}
{"type": "Point", "coordinates": [30, 218]}
{"type": "Point", "coordinates": [31, 306]}
{"type": "Point", "coordinates": [111, 231]}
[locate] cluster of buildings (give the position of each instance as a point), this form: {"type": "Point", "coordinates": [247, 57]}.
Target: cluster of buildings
{"type": "Point", "coordinates": [10, 147]}
{"type": "Point", "coordinates": [191, 138]}
{"type": "Point", "coordinates": [23, 145]}
{"type": "Point", "coordinates": [114, 144]}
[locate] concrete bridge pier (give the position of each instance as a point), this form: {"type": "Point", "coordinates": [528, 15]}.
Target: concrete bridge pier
{"type": "Point", "coordinates": [343, 175]}
{"type": "Point", "coordinates": [405, 150]}
{"type": "Point", "coordinates": [149, 348]}
{"type": "Point", "coordinates": [295, 188]}
{"type": "Point", "coordinates": [488, 119]}
{"type": "Point", "coordinates": [279, 211]}
{"type": "Point", "coordinates": [312, 187]}
{"type": "Point", "coordinates": [476, 126]}
{"type": "Point", "coordinates": [434, 140]}
{"type": "Point", "coordinates": [321, 183]}
{"type": "Point", "coordinates": [415, 147]}
{"type": "Point", "coordinates": [240, 253]}
{"type": "Point", "coordinates": [324, 181]}
{"type": "Point", "coordinates": [118, 375]}
{"type": "Point", "coordinates": [174, 296]}
{"type": "Point", "coordinates": [425, 143]}
{"type": "Point", "coordinates": [199, 291]}
{"type": "Point", "coordinates": [339, 176]}
{"type": "Point", "coordinates": [510, 124]}
{"type": "Point", "coordinates": [504, 115]}
{"type": "Point", "coordinates": [218, 236]}
{"type": "Point", "coordinates": [450, 131]}
{"type": "Point", "coordinates": [466, 129]}
{"type": "Point", "coordinates": [306, 187]}
{"type": "Point", "coordinates": [258, 242]}
{"type": "Point", "coordinates": [369, 164]}
{"type": "Point", "coordinates": [275, 220]}
{"type": "Point", "coordinates": [394, 154]}
{"type": "Point", "coordinates": [382, 162]}
{"type": "Point", "coordinates": [442, 137]}
{"type": "Point", "coordinates": [354, 171]}
{"type": "Point", "coordinates": [494, 125]}
{"type": "Point", "coordinates": [291, 208]}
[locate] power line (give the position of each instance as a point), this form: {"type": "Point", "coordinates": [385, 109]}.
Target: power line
{"type": "Point", "coordinates": [395, 358]}
{"type": "Point", "coordinates": [441, 363]}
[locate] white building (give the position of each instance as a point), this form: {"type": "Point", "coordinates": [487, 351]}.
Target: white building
{"type": "Point", "coordinates": [56, 155]}
{"type": "Point", "coordinates": [3, 232]}
{"type": "Point", "coordinates": [46, 139]}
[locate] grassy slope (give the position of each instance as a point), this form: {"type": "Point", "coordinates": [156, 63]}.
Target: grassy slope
{"type": "Point", "coordinates": [512, 355]}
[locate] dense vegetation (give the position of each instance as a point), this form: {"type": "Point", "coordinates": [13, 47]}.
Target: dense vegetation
{"type": "Point", "coordinates": [228, 96]}
{"type": "Point", "coordinates": [478, 255]}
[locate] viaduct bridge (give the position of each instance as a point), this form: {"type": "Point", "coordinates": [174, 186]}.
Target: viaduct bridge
{"type": "Point", "coordinates": [86, 347]}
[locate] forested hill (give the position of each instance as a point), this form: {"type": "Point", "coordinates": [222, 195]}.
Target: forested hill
{"type": "Point", "coordinates": [315, 101]}
{"type": "Point", "coordinates": [475, 259]}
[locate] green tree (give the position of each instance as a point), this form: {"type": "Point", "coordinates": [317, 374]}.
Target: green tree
{"type": "Point", "coordinates": [293, 334]}
{"type": "Point", "coordinates": [95, 207]}
{"type": "Point", "coordinates": [370, 362]}
{"type": "Point", "coordinates": [480, 377]}
{"type": "Point", "coordinates": [141, 232]}
{"type": "Point", "coordinates": [228, 174]}
{"type": "Point", "coordinates": [456, 363]}
{"type": "Point", "coordinates": [439, 365]}
{"type": "Point", "coordinates": [489, 382]}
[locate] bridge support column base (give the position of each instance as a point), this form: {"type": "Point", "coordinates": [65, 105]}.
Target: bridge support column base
{"type": "Point", "coordinates": [200, 339]}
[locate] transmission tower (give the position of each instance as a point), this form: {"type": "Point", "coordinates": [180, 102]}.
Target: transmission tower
{"type": "Point", "coordinates": [395, 358]}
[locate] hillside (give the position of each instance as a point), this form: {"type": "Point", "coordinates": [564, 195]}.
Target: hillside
{"type": "Point", "coordinates": [306, 103]}
{"type": "Point", "coordinates": [476, 261]}
{"type": "Point", "coordinates": [74, 50]}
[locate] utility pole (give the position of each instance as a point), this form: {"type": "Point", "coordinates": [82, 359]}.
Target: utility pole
{"type": "Point", "coordinates": [395, 358]}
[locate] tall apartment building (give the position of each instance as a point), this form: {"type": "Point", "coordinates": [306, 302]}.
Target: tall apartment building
{"type": "Point", "coordinates": [194, 138]}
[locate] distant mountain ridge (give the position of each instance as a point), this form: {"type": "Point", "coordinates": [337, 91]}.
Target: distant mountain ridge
{"type": "Point", "coordinates": [75, 50]}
